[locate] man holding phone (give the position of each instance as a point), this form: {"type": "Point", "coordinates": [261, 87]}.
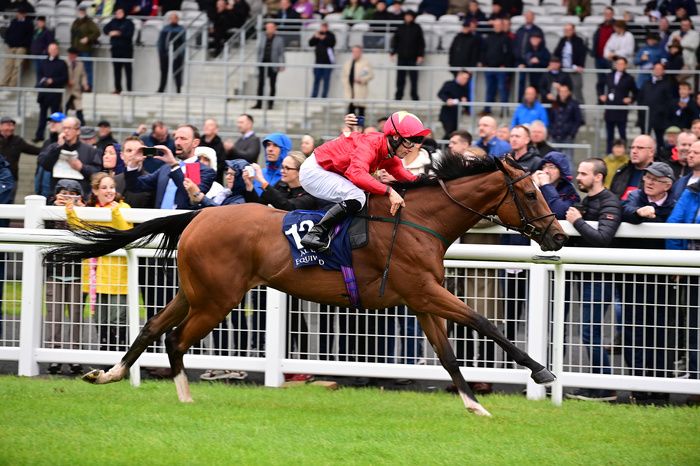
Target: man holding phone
{"type": "Point", "coordinates": [167, 181]}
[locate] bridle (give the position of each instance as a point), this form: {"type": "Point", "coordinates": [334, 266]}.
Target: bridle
{"type": "Point", "coordinates": [526, 228]}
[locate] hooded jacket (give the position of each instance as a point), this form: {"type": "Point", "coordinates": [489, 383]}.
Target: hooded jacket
{"type": "Point", "coordinates": [525, 114]}
{"type": "Point", "coordinates": [685, 211]}
{"type": "Point", "coordinates": [563, 195]}
{"type": "Point", "coordinates": [232, 196]}
{"type": "Point", "coordinates": [272, 171]}
{"type": "Point", "coordinates": [530, 160]}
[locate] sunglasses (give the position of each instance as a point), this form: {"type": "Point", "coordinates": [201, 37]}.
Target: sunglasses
{"type": "Point", "coordinates": [283, 168]}
{"type": "Point", "coordinates": [409, 143]}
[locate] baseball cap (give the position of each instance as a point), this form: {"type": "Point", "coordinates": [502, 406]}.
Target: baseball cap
{"type": "Point", "coordinates": [672, 130]}
{"type": "Point", "coordinates": [661, 169]}
{"type": "Point", "coordinates": [87, 132]}
{"type": "Point", "coordinates": [8, 119]}
{"type": "Point", "coordinates": [104, 123]}
{"type": "Point", "coordinates": [56, 117]}
{"type": "Point", "coordinates": [69, 185]}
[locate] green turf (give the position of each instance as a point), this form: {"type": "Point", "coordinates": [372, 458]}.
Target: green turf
{"type": "Point", "coordinates": [64, 421]}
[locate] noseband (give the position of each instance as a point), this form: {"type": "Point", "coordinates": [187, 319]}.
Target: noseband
{"type": "Point", "coordinates": [526, 228]}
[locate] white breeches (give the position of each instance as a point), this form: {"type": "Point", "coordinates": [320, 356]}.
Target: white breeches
{"type": "Point", "coordinates": [327, 185]}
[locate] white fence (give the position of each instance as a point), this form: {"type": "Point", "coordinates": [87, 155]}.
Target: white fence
{"type": "Point", "coordinates": [644, 309]}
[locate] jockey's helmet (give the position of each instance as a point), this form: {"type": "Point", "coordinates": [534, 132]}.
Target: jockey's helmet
{"type": "Point", "coordinates": [404, 126]}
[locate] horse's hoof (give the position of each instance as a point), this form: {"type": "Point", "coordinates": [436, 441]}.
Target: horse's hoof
{"type": "Point", "coordinates": [92, 376]}
{"type": "Point", "coordinates": [543, 377]}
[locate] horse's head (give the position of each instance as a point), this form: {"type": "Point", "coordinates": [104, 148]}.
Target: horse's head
{"type": "Point", "coordinates": [523, 208]}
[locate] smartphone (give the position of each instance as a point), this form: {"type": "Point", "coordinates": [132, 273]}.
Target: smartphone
{"type": "Point", "coordinates": [361, 121]}
{"type": "Point", "coordinates": [149, 151]}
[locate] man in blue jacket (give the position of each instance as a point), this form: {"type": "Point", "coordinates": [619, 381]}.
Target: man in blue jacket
{"type": "Point", "coordinates": [276, 145]}
{"type": "Point", "coordinates": [529, 110]}
{"type": "Point", "coordinates": [167, 181]}
{"type": "Point", "coordinates": [693, 163]}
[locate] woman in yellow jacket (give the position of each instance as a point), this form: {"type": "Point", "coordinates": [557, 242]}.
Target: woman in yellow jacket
{"type": "Point", "coordinates": [105, 278]}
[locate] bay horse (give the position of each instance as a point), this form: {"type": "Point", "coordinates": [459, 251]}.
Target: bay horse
{"type": "Point", "coordinates": [225, 251]}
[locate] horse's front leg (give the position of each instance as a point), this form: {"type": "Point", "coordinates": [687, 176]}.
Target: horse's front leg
{"type": "Point", "coordinates": [437, 301]}
{"type": "Point", "coordinates": [436, 332]}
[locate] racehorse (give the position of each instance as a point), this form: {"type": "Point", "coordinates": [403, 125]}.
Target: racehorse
{"type": "Point", "coordinates": [225, 251]}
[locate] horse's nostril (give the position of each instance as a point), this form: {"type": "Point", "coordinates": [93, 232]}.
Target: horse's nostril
{"type": "Point", "coordinates": [560, 239]}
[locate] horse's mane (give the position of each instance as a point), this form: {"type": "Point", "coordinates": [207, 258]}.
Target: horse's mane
{"type": "Point", "coordinates": [451, 166]}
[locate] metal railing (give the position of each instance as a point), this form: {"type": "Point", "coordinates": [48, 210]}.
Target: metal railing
{"type": "Point", "coordinates": [266, 333]}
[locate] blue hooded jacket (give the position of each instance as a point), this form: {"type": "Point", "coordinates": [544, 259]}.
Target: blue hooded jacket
{"type": "Point", "coordinates": [563, 195]}
{"type": "Point", "coordinates": [685, 211]}
{"type": "Point", "coordinates": [272, 172]}
{"type": "Point", "coordinates": [235, 194]}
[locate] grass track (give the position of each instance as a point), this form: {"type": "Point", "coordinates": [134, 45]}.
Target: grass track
{"type": "Point", "coordinates": [68, 422]}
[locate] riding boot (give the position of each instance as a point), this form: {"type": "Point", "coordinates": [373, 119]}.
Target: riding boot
{"type": "Point", "coordinates": [319, 238]}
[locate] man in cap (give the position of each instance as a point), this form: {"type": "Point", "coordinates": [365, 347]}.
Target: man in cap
{"type": "Point", "coordinates": [12, 146]}
{"type": "Point", "coordinates": [88, 135]}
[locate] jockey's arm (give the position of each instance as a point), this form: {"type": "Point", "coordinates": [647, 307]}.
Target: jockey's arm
{"type": "Point", "coordinates": [395, 168]}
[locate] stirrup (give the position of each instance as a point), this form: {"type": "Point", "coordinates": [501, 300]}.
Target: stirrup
{"type": "Point", "coordinates": [317, 243]}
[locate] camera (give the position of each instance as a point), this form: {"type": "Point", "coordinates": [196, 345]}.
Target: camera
{"type": "Point", "coordinates": [149, 151]}
{"type": "Point", "coordinates": [249, 170]}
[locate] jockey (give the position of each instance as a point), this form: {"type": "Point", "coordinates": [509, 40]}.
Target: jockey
{"type": "Point", "coordinates": [340, 171]}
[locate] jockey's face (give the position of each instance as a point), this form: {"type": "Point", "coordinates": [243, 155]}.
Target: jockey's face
{"type": "Point", "coordinates": [402, 151]}
{"type": "Point", "coordinates": [272, 151]}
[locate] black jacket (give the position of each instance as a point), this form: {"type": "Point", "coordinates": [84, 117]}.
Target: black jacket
{"type": "Point", "coordinates": [658, 97]}
{"type": "Point", "coordinates": [683, 116]}
{"type": "Point", "coordinates": [497, 50]}
{"type": "Point", "coordinates": [408, 42]}
{"type": "Point", "coordinates": [531, 160]}
{"type": "Point", "coordinates": [626, 87]}
{"type": "Point", "coordinates": [136, 200]}
{"type": "Point", "coordinates": [283, 197]}
{"type": "Point", "coordinates": [123, 44]}
{"type": "Point", "coordinates": [565, 119]}
{"type": "Point", "coordinates": [19, 33]}
{"type": "Point", "coordinates": [451, 90]}
{"type": "Point", "coordinates": [57, 70]}
{"type": "Point", "coordinates": [621, 179]}
{"type": "Point", "coordinates": [604, 208]}
{"type": "Point", "coordinates": [321, 47]}
{"type": "Point", "coordinates": [578, 52]}
{"type": "Point", "coordinates": [217, 144]}
{"type": "Point", "coordinates": [11, 148]}
{"type": "Point", "coordinates": [548, 79]}
{"type": "Point", "coordinates": [87, 154]}
{"type": "Point", "coordinates": [465, 50]}
{"type": "Point", "coordinates": [636, 200]}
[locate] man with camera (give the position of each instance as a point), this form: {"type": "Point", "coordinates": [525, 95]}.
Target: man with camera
{"type": "Point", "coordinates": [323, 42]}
{"type": "Point", "coordinates": [69, 157]}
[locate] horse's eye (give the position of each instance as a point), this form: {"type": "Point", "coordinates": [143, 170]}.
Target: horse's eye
{"type": "Point", "coordinates": [532, 195]}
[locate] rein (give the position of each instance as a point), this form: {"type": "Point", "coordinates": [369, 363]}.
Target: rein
{"type": "Point", "coordinates": [374, 218]}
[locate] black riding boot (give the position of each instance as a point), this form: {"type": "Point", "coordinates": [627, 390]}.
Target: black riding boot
{"type": "Point", "coordinates": [318, 238]}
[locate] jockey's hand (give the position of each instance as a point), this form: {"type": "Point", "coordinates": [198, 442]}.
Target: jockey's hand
{"type": "Point", "coordinates": [396, 202]}
{"type": "Point", "coordinates": [384, 176]}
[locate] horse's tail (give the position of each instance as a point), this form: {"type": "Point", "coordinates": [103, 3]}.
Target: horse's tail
{"type": "Point", "coordinates": [103, 240]}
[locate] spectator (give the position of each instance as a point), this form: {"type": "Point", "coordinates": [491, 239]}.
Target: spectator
{"type": "Point", "coordinates": [287, 193]}
{"type": "Point", "coordinates": [382, 13]}
{"type": "Point", "coordinates": [41, 39]}
{"type": "Point", "coordinates": [171, 36]}
{"type": "Point", "coordinates": [84, 34]}
{"type": "Point", "coordinates": [602, 206]}
{"type": "Point", "coordinates": [88, 135]}
{"type": "Point", "coordinates": [167, 181]}
{"type": "Point", "coordinates": [554, 180]}
{"type": "Point", "coordinates": [600, 38]}
{"type": "Point", "coordinates": [104, 135]}
{"type": "Point", "coordinates": [159, 136]}
{"type": "Point", "coordinates": [436, 8]}
{"type": "Point", "coordinates": [529, 110]}
{"type": "Point", "coordinates": [120, 30]}
{"type": "Point", "coordinates": [550, 81]}
{"type": "Point", "coordinates": [62, 288]}
{"type": "Point", "coordinates": [207, 157]}
{"type": "Point", "coordinates": [522, 152]}
{"type": "Point", "coordinates": [657, 94]}
{"type": "Point", "coordinates": [143, 200]}
{"type": "Point", "coordinates": [503, 133]}
{"type": "Point", "coordinates": [684, 111]}
{"type": "Point", "coordinates": [276, 145]}
{"type": "Point", "coordinates": [223, 21]}
{"type": "Point", "coordinates": [287, 12]}
{"type": "Point", "coordinates": [521, 45]}
{"type": "Point", "coordinates": [572, 51]}
{"type": "Point", "coordinates": [668, 144]}
{"type": "Point", "coordinates": [647, 56]}
{"type": "Point", "coordinates": [677, 159]}
{"type": "Point", "coordinates": [42, 177]}
{"type": "Point", "coordinates": [474, 12]}
{"type": "Point", "coordinates": [77, 84]}
{"type": "Point", "coordinates": [247, 147]}
{"type": "Point", "coordinates": [538, 138]}
{"type": "Point", "coordinates": [105, 8]}
{"type": "Point", "coordinates": [305, 8]}
{"type": "Point", "coordinates": [53, 74]}
{"type": "Point", "coordinates": [616, 159]}
{"type": "Point", "coordinates": [232, 194]}
{"type": "Point", "coordinates": [629, 177]}
{"type": "Point", "coordinates": [497, 12]}
{"type": "Point", "coordinates": [689, 40]}
{"type": "Point", "coordinates": [465, 51]}
{"type": "Point", "coordinates": [105, 278]}
{"type": "Point", "coordinates": [12, 147]}
{"type": "Point", "coordinates": [645, 296]}
{"type": "Point", "coordinates": [357, 73]}
{"type": "Point", "coordinates": [18, 38]}
{"type": "Point", "coordinates": [497, 52]}
{"type": "Point", "coordinates": [566, 119]}
{"type": "Point", "coordinates": [452, 93]}
{"type": "Point", "coordinates": [353, 11]}
{"type": "Point", "coordinates": [327, 7]}
{"type": "Point", "coordinates": [692, 165]}
{"type": "Point", "coordinates": [674, 61]}
{"type": "Point", "coordinates": [112, 164]}
{"type": "Point", "coordinates": [619, 89]}
{"type": "Point", "coordinates": [144, 8]}
{"type": "Point", "coordinates": [580, 8]}
{"type": "Point", "coordinates": [620, 43]}
{"type": "Point", "coordinates": [488, 141]}
{"type": "Point", "coordinates": [308, 144]}
{"type": "Point", "coordinates": [459, 142]}
{"type": "Point", "coordinates": [69, 157]}
{"type": "Point", "coordinates": [210, 138]}
{"type": "Point", "coordinates": [695, 128]}
{"type": "Point", "coordinates": [270, 50]}
{"type": "Point", "coordinates": [323, 42]}
{"type": "Point", "coordinates": [536, 56]}
{"type": "Point", "coordinates": [409, 45]}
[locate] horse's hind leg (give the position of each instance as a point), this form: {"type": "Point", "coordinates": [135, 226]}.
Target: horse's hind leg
{"type": "Point", "coordinates": [436, 332]}
{"type": "Point", "coordinates": [169, 317]}
{"type": "Point", "coordinates": [438, 301]}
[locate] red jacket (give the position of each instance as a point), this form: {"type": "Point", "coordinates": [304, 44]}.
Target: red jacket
{"type": "Point", "coordinates": [357, 155]}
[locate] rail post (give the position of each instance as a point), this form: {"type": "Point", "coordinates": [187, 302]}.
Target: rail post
{"type": "Point", "coordinates": [276, 321]}
{"type": "Point", "coordinates": [537, 314]}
